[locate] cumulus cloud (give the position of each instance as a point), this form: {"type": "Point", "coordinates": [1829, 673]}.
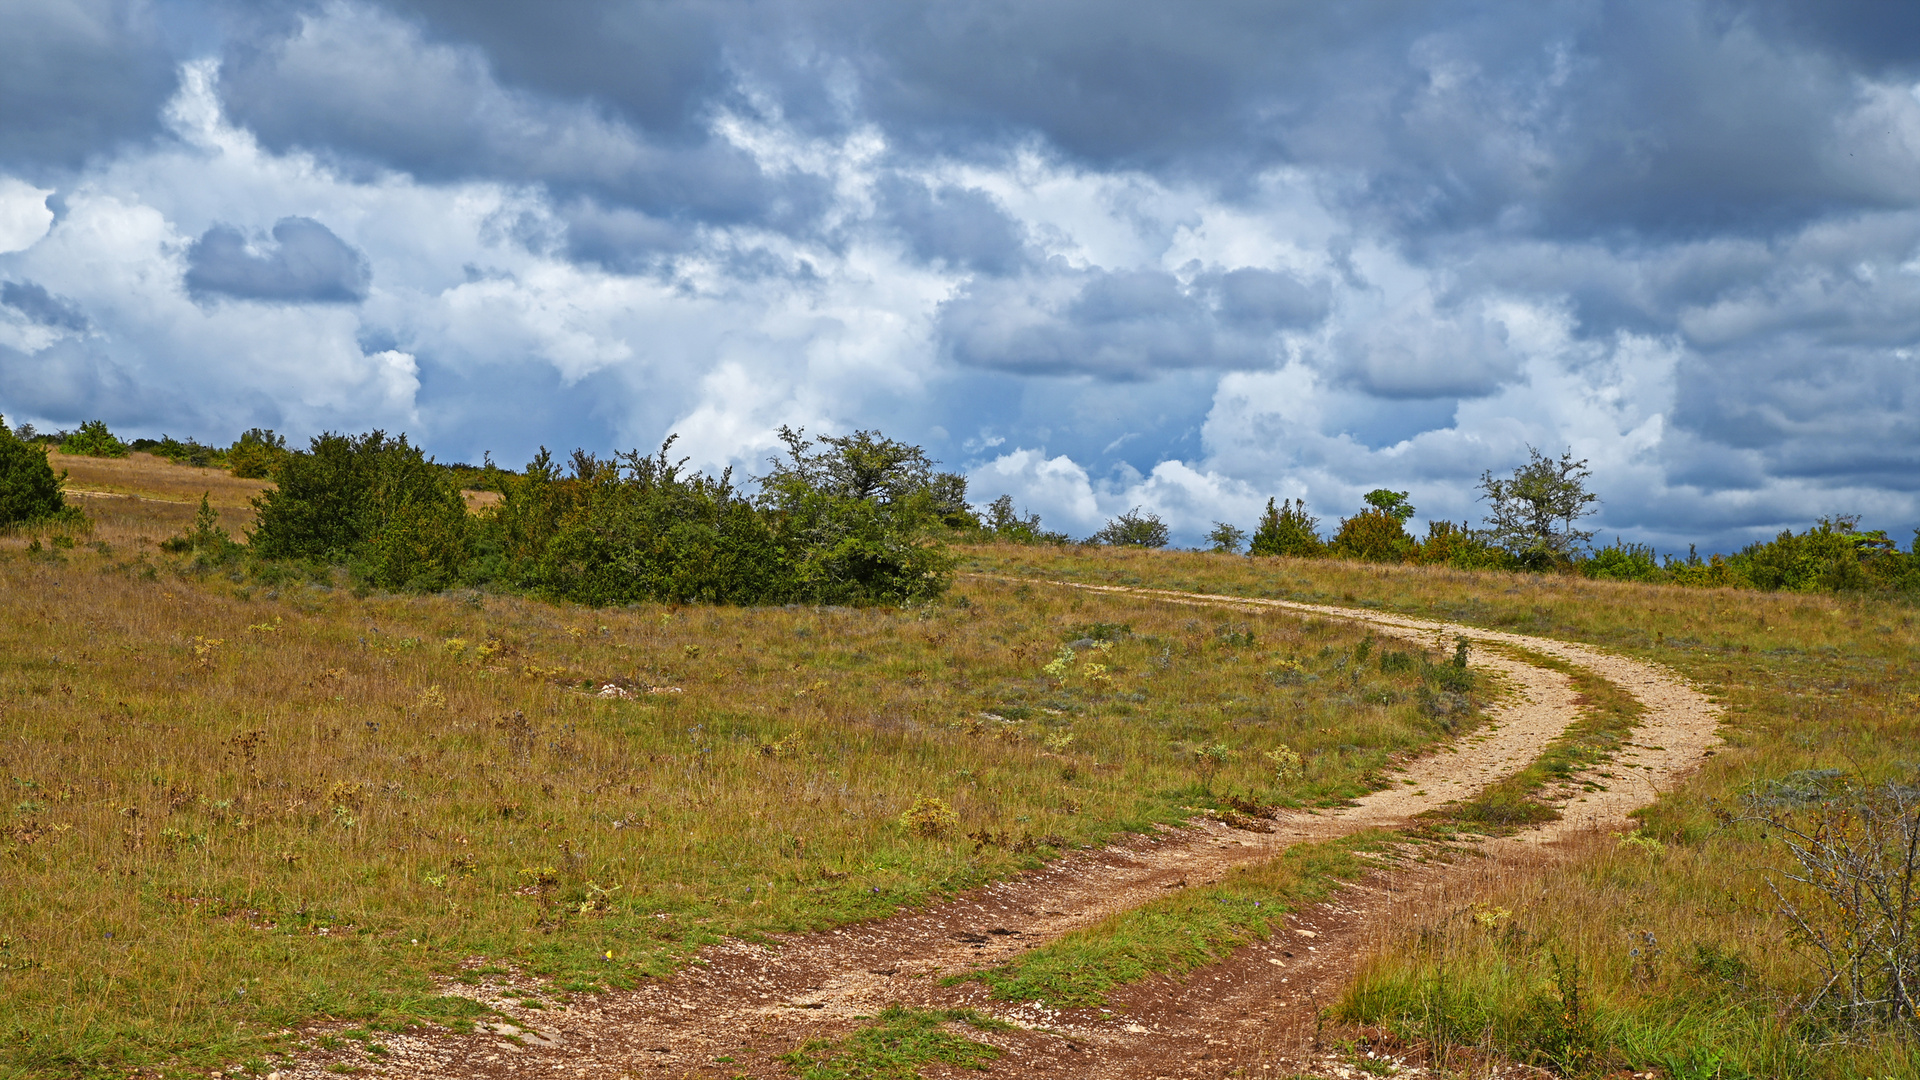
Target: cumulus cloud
{"type": "Point", "coordinates": [306, 263]}
{"type": "Point", "coordinates": [1143, 256]}
{"type": "Point", "coordinates": [1125, 324]}
{"type": "Point", "coordinates": [41, 307]}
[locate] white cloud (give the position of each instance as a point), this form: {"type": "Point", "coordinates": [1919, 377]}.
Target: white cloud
{"type": "Point", "coordinates": [24, 216]}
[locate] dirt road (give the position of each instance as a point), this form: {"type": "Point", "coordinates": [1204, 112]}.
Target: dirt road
{"type": "Point", "coordinates": [733, 1013]}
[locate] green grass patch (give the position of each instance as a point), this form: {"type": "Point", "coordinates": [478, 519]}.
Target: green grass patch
{"type": "Point", "coordinates": [897, 1045]}
{"type": "Point", "coordinates": [1184, 931]}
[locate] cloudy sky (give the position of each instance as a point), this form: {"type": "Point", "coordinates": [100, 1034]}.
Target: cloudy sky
{"type": "Point", "coordinates": [1185, 256]}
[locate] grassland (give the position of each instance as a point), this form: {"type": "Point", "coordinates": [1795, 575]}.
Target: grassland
{"type": "Point", "coordinates": [1667, 941]}
{"type": "Point", "coordinates": [243, 799]}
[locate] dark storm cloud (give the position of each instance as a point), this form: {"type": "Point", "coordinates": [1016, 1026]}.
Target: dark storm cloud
{"type": "Point", "coordinates": [78, 77]}
{"type": "Point", "coordinates": [42, 307]}
{"type": "Point", "coordinates": [1126, 324]}
{"type": "Point", "coordinates": [959, 226]}
{"type": "Point", "coordinates": [362, 85]}
{"type": "Point", "coordinates": [306, 264]}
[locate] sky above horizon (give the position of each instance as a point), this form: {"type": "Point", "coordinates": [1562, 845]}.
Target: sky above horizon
{"type": "Point", "coordinates": [1185, 257]}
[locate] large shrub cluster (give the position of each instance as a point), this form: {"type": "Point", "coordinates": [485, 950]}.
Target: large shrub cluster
{"type": "Point", "coordinates": [29, 490]}
{"type": "Point", "coordinates": [849, 520]}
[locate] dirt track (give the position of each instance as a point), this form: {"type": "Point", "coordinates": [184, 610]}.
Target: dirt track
{"type": "Point", "coordinates": [734, 1013]}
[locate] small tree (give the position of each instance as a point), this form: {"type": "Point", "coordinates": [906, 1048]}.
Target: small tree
{"type": "Point", "coordinates": [1287, 530]}
{"type": "Point", "coordinates": [1226, 538]}
{"type": "Point", "coordinates": [1394, 504]}
{"type": "Point", "coordinates": [1533, 514]}
{"type": "Point", "coordinates": [1133, 529]}
{"type": "Point", "coordinates": [255, 454]}
{"type": "Point", "coordinates": [1372, 535]}
{"type": "Point", "coordinates": [93, 440]}
{"type": "Point", "coordinates": [29, 490]}
{"type": "Point", "coordinates": [1007, 526]}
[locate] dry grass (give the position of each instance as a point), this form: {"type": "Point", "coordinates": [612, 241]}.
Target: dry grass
{"type": "Point", "coordinates": [1809, 681]}
{"type": "Point", "coordinates": [239, 801]}
{"type": "Point", "coordinates": [151, 477]}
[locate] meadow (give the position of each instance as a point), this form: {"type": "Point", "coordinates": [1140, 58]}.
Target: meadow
{"type": "Point", "coordinates": [244, 797]}
{"type": "Point", "coordinates": [1669, 934]}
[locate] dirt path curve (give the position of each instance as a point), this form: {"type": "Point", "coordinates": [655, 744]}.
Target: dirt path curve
{"type": "Point", "coordinates": [741, 1005]}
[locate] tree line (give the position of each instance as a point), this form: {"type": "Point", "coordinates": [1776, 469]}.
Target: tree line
{"type": "Point", "coordinates": [854, 519]}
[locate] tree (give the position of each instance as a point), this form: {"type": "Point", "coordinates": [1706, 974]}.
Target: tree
{"type": "Point", "coordinates": [29, 490]}
{"type": "Point", "coordinates": [1227, 538]}
{"type": "Point", "coordinates": [375, 502]}
{"type": "Point", "coordinates": [93, 440]}
{"type": "Point", "coordinates": [859, 513]}
{"type": "Point", "coordinates": [1394, 504]}
{"type": "Point", "coordinates": [1008, 526]}
{"type": "Point", "coordinates": [1287, 530]}
{"type": "Point", "coordinates": [255, 454]}
{"type": "Point", "coordinates": [1533, 514]}
{"type": "Point", "coordinates": [1374, 535]}
{"type": "Point", "coordinates": [1133, 529]}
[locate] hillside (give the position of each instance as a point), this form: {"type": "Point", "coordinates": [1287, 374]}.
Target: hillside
{"type": "Point", "coordinates": [262, 817]}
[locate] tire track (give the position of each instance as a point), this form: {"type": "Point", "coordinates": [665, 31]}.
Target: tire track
{"type": "Point", "coordinates": [740, 1005]}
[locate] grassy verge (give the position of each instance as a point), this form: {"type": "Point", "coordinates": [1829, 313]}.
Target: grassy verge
{"type": "Point", "coordinates": [1183, 931]}
{"type": "Point", "coordinates": [896, 1045]}
{"type": "Point", "coordinates": [1607, 717]}
{"type": "Point", "coordinates": [1675, 948]}
{"type": "Point", "coordinates": [237, 801]}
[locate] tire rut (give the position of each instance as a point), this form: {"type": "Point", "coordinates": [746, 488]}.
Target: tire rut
{"type": "Point", "coordinates": [740, 1005]}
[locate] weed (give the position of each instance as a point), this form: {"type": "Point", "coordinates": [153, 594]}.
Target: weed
{"type": "Point", "coordinates": [896, 1045]}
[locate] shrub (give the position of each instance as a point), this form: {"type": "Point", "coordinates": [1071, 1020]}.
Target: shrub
{"type": "Point", "coordinates": [1133, 529]}
{"type": "Point", "coordinates": [29, 490]}
{"type": "Point", "coordinates": [373, 502]}
{"type": "Point", "coordinates": [205, 538]}
{"type": "Point", "coordinates": [1226, 538]}
{"type": "Point", "coordinates": [1287, 530]}
{"type": "Point", "coordinates": [1007, 527]}
{"type": "Point", "coordinates": [255, 454]}
{"type": "Point", "coordinates": [857, 517]}
{"type": "Point", "coordinates": [850, 522]}
{"type": "Point", "coordinates": [93, 440]}
{"type": "Point", "coordinates": [1854, 897]}
{"type": "Point", "coordinates": [1373, 535]}
{"type": "Point", "coordinates": [931, 818]}
{"type": "Point", "coordinates": [1623, 562]}
{"type": "Point", "coordinates": [1460, 547]}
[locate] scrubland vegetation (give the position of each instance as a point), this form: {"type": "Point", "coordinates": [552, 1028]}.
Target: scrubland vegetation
{"type": "Point", "coordinates": [254, 783]}
{"type": "Point", "coordinates": [243, 793]}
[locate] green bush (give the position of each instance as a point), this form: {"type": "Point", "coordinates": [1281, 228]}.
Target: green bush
{"type": "Point", "coordinates": [629, 529]}
{"type": "Point", "coordinates": [29, 490]}
{"type": "Point", "coordinates": [1133, 529]}
{"type": "Point", "coordinates": [255, 454]}
{"type": "Point", "coordinates": [1373, 535]}
{"type": "Point", "coordinates": [93, 440]}
{"type": "Point", "coordinates": [375, 503]}
{"type": "Point", "coordinates": [849, 520]}
{"type": "Point", "coordinates": [1001, 525]}
{"type": "Point", "coordinates": [1624, 562]}
{"type": "Point", "coordinates": [1287, 530]}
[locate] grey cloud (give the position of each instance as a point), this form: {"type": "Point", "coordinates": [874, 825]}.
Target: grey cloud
{"type": "Point", "coordinates": [1125, 324]}
{"type": "Point", "coordinates": [960, 226]}
{"type": "Point", "coordinates": [78, 77]}
{"type": "Point", "coordinates": [307, 264]}
{"type": "Point", "coordinates": [1266, 299]}
{"type": "Point", "coordinates": [358, 84]}
{"type": "Point", "coordinates": [1439, 355]}
{"type": "Point", "coordinates": [42, 307]}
